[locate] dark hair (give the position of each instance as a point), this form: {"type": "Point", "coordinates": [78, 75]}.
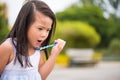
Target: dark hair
{"type": "Point", "coordinates": [24, 19]}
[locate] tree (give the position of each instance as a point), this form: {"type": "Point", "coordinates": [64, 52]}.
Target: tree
{"type": "Point", "coordinates": [77, 34]}
{"type": "Point", "coordinates": [3, 21]}
{"type": "Point", "coordinates": [91, 13]}
{"type": "Point", "coordinates": [111, 7]}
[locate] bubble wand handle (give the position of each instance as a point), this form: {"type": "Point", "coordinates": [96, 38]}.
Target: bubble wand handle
{"type": "Point", "coordinates": [48, 46]}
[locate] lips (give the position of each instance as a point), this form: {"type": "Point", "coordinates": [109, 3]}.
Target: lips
{"type": "Point", "coordinates": [39, 42]}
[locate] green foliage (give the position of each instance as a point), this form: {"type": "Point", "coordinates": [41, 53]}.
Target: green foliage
{"type": "Point", "coordinates": [92, 15]}
{"type": "Point", "coordinates": [77, 34]}
{"type": "Point", "coordinates": [3, 22]}
{"type": "Point", "coordinates": [86, 13]}
{"type": "Point", "coordinates": [114, 47]}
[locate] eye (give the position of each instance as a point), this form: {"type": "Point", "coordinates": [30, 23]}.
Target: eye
{"type": "Point", "coordinates": [40, 28]}
{"type": "Point", "coordinates": [48, 30]}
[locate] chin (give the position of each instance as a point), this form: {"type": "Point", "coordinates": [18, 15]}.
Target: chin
{"type": "Point", "coordinates": [37, 45]}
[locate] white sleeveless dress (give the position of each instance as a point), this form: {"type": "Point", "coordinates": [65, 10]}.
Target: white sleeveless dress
{"type": "Point", "coordinates": [16, 72]}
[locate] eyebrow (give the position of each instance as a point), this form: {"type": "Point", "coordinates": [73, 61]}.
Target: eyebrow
{"type": "Point", "coordinates": [44, 27]}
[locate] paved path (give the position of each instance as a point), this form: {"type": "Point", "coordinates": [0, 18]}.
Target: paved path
{"type": "Point", "coordinates": [102, 71]}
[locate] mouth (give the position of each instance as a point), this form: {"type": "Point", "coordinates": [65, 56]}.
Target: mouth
{"type": "Point", "coordinates": [39, 42]}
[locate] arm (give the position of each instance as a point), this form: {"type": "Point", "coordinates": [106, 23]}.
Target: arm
{"type": "Point", "coordinates": [5, 53]}
{"type": "Point", "coordinates": [46, 67]}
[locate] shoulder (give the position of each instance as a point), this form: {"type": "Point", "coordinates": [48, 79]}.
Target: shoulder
{"type": "Point", "coordinates": [6, 48]}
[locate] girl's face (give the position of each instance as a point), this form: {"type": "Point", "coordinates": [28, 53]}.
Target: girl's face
{"type": "Point", "coordinates": [39, 30]}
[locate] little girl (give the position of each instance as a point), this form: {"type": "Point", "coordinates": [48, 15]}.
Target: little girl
{"type": "Point", "coordinates": [33, 28]}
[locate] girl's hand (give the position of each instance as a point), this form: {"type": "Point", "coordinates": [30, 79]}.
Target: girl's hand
{"type": "Point", "coordinates": [58, 48]}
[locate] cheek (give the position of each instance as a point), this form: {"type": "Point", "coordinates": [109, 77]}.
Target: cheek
{"type": "Point", "coordinates": [48, 34]}
{"type": "Point", "coordinates": [31, 34]}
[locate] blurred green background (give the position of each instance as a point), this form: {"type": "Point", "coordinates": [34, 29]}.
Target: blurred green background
{"type": "Point", "coordinates": [4, 27]}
